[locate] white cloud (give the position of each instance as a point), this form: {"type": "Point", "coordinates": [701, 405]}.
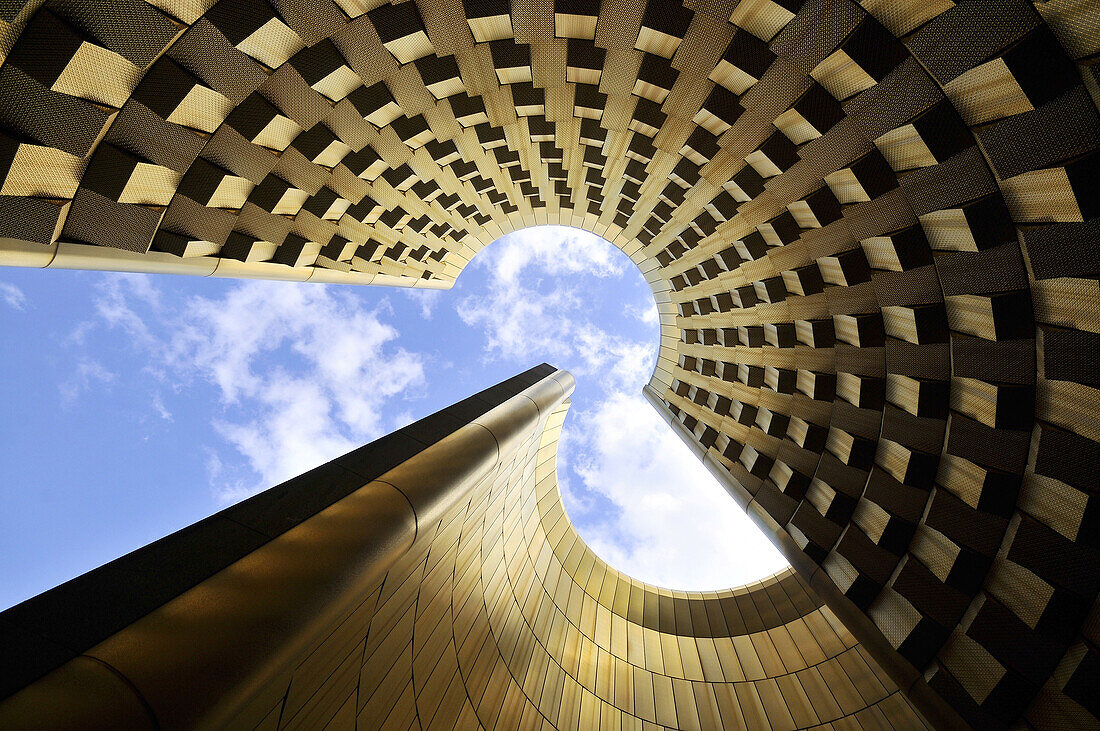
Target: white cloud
{"type": "Point", "coordinates": [88, 372]}
{"type": "Point", "coordinates": [618, 361]}
{"type": "Point", "coordinates": [637, 494]}
{"type": "Point", "coordinates": [426, 299]}
{"type": "Point", "coordinates": [327, 398]}
{"type": "Point", "coordinates": [157, 402]}
{"type": "Point", "coordinates": [305, 372]}
{"type": "Point", "coordinates": [673, 525]}
{"type": "Point", "coordinates": [118, 295]}
{"type": "Point", "coordinates": [517, 325]}
{"type": "Point", "coordinates": [403, 419]}
{"type": "Point", "coordinates": [13, 296]}
{"type": "Point", "coordinates": [553, 250]}
{"type": "Point", "coordinates": [522, 324]}
{"type": "Point", "coordinates": [295, 430]}
{"type": "Point", "coordinates": [646, 313]}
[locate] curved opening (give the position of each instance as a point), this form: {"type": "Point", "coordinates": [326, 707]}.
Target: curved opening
{"type": "Point", "coordinates": [261, 381]}
{"type": "Point", "coordinates": [636, 494]}
{"type": "Point", "coordinates": [552, 512]}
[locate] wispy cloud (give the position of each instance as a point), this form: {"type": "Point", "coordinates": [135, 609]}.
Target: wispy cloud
{"type": "Point", "coordinates": [673, 524]}
{"type": "Point", "coordinates": [86, 374]}
{"type": "Point", "coordinates": [646, 313]}
{"type": "Point", "coordinates": [303, 373]}
{"type": "Point", "coordinates": [426, 299]}
{"type": "Point", "coordinates": [115, 307]}
{"type": "Point", "coordinates": [553, 251]}
{"type": "Point", "coordinates": [517, 325]}
{"type": "Point", "coordinates": [157, 402]}
{"type": "Point", "coordinates": [638, 495]}
{"type": "Point", "coordinates": [13, 296]}
{"type": "Point", "coordinates": [523, 321]}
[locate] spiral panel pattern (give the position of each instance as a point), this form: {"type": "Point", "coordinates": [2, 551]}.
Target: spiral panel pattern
{"type": "Point", "coordinates": [871, 230]}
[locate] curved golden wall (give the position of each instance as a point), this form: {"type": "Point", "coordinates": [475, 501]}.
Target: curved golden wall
{"type": "Point", "coordinates": [503, 618]}
{"type": "Point", "coordinates": [871, 230]}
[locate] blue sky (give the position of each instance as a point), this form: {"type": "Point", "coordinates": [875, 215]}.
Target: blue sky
{"type": "Point", "coordinates": [137, 404]}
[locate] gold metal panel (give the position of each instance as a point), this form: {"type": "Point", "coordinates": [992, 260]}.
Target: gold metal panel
{"type": "Point", "coordinates": [841, 76]}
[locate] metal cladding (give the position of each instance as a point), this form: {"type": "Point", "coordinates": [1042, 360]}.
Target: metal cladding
{"type": "Point", "coordinates": [471, 602]}
{"type": "Point", "coordinates": [871, 229]}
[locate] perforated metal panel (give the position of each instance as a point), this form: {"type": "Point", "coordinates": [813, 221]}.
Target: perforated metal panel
{"type": "Point", "coordinates": [958, 269]}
